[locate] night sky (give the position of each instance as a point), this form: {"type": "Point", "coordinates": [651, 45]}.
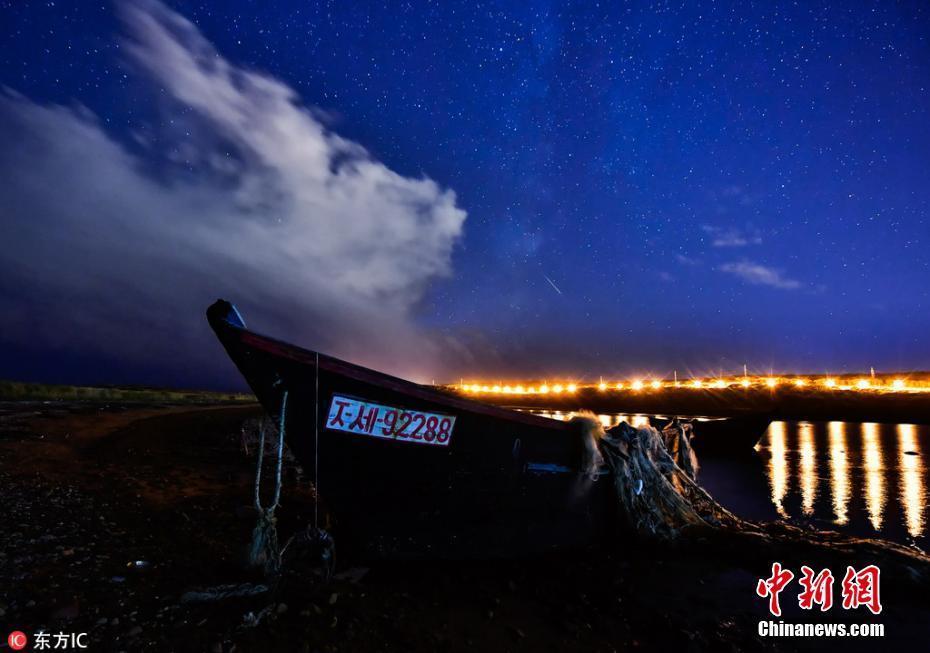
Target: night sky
{"type": "Point", "coordinates": [465, 189]}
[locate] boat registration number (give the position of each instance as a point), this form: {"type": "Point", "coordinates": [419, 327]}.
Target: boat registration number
{"type": "Point", "coordinates": [377, 420]}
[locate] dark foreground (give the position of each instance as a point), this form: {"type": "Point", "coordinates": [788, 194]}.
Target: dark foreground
{"type": "Point", "coordinates": [89, 491]}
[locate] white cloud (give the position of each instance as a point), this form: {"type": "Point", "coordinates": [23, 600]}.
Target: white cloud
{"type": "Point", "coordinates": [761, 275]}
{"type": "Point", "coordinates": [731, 237]}
{"type": "Point", "coordinates": [270, 208]}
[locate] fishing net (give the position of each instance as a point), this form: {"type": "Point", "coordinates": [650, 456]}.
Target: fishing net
{"type": "Point", "coordinates": [659, 499]}
{"type": "Point", "coordinates": [677, 439]}
{"type": "Point", "coordinates": [654, 476]}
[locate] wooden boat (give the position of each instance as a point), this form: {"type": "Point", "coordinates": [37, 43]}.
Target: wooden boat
{"type": "Point", "coordinates": [734, 436]}
{"type": "Point", "coordinates": [406, 470]}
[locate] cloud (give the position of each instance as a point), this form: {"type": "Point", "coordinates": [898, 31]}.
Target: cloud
{"type": "Point", "coordinates": [731, 237]}
{"type": "Point", "coordinates": [760, 275]}
{"type": "Point", "coordinates": [118, 248]}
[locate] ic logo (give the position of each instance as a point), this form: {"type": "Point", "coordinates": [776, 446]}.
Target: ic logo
{"type": "Point", "coordinates": [17, 640]}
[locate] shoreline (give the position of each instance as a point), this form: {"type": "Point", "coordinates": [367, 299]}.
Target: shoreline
{"type": "Point", "coordinates": [90, 490]}
{"type": "Point", "coordinates": [782, 403]}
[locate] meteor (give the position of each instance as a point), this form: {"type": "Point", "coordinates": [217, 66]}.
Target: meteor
{"type": "Point", "coordinates": [552, 283]}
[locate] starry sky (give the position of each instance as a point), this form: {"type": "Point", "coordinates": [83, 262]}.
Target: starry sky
{"type": "Point", "coordinates": [593, 188]}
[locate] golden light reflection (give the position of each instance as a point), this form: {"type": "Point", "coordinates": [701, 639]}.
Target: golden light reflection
{"type": "Point", "coordinates": [839, 471]}
{"type": "Point", "coordinates": [912, 491]}
{"type": "Point", "coordinates": [778, 466]}
{"type": "Point", "coordinates": [640, 421]}
{"type": "Point", "coordinates": [807, 469]}
{"type": "Point", "coordinates": [873, 462]}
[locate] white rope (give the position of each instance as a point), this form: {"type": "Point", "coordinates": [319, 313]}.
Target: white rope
{"type": "Point", "coordinates": [264, 549]}
{"type": "Point", "coordinates": [261, 457]}
{"type": "Point", "coordinates": [277, 483]}
{"type": "Point", "coordinates": [258, 466]}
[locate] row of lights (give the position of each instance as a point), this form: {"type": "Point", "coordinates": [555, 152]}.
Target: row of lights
{"type": "Point", "coordinates": [640, 384]}
{"type": "Point", "coordinates": [543, 389]}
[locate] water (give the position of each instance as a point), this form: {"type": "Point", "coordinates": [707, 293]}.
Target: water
{"type": "Point", "coordinates": [865, 479]}
{"type": "Point", "coordinates": [862, 478]}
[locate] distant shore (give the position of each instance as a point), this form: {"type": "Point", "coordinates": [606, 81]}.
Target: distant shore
{"type": "Point", "coordinates": [783, 402]}
{"type": "Point", "coordinates": [28, 391]}
{"type": "Point", "coordinates": [786, 402]}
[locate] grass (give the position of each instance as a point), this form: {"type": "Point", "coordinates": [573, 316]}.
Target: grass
{"type": "Point", "coordinates": [21, 391]}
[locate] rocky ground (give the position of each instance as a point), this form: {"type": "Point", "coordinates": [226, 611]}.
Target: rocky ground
{"type": "Point", "coordinates": [113, 516]}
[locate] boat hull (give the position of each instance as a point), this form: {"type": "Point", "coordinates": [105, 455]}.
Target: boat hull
{"type": "Point", "coordinates": [732, 436]}
{"type": "Point", "coordinates": [505, 483]}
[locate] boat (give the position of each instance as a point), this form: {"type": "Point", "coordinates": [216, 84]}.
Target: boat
{"type": "Point", "coordinates": [404, 470]}
{"type": "Point", "coordinates": [733, 436]}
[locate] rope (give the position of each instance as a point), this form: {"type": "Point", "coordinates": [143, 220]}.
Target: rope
{"type": "Point", "coordinates": [265, 550]}
{"type": "Point", "coordinates": [277, 483]}
{"type": "Point", "coordinates": [258, 466]}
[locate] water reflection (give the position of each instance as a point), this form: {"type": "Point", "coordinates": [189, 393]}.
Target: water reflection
{"type": "Point", "coordinates": [912, 479]}
{"type": "Point", "coordinates": [861, 477]}
{"type": "Point", "coordinates": [865, 478]}
{"type": "Point", "coordinates": [807, 470]}
{"type": "Point", "coordinates": [606, 420]}
{"type": "Point", "coordinates": [873, 464]}
{"type": "Point", "coordinates": [778, 466]}
{"type": "Point", "coordinates": [839, 471]}
{"type": "Point", "coordinates": [640, 421]}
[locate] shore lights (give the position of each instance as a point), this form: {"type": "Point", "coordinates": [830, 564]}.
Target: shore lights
{"type": "Point", "coordinates": [652, 384]}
